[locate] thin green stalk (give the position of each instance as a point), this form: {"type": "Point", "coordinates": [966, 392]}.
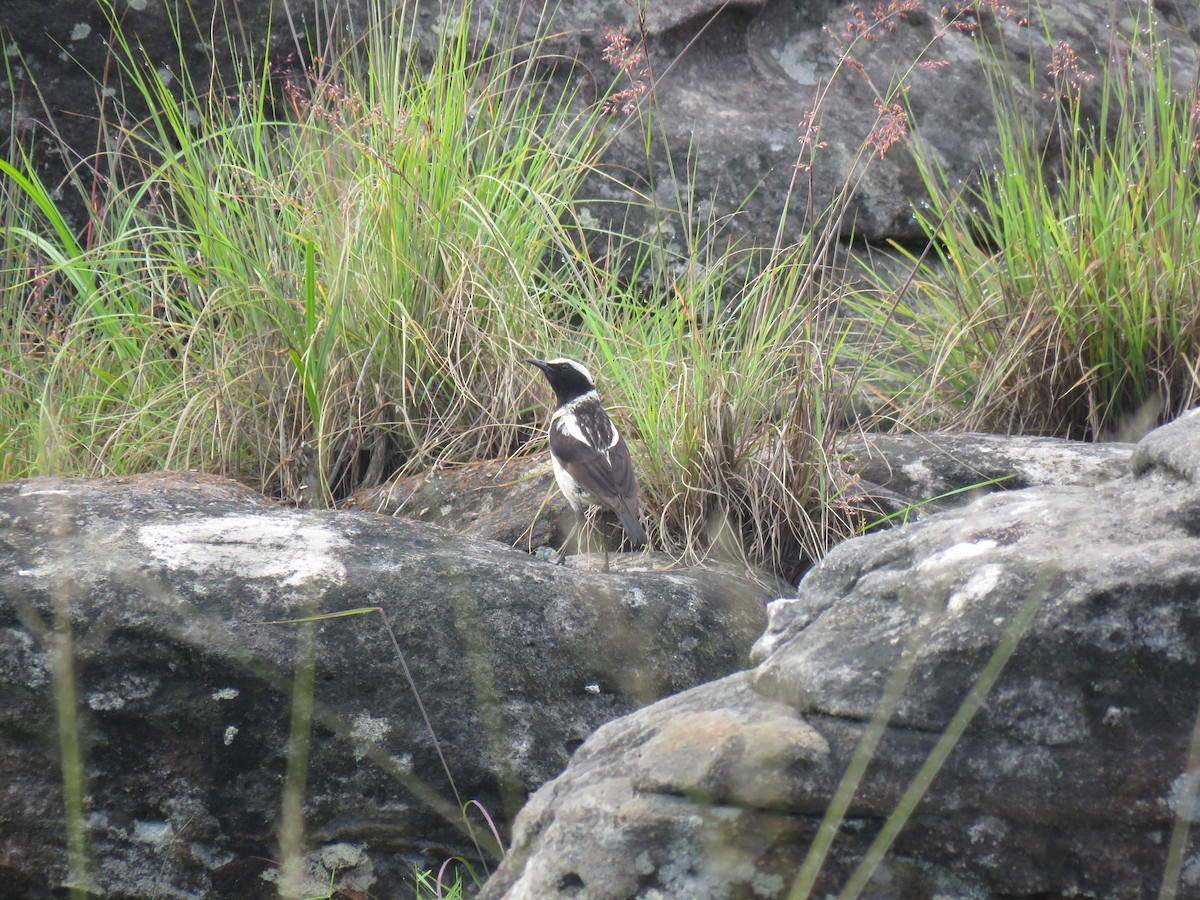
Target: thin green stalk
{"type": "Point", "coordinates": [291, 824]}
{"type": "Point", "coordinates": [66, 701]}
{"type": "Point", "coordinates": [1186, 810]}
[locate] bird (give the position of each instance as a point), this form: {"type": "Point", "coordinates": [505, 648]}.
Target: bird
{"type": "Point", "coordinates": [591, 462]}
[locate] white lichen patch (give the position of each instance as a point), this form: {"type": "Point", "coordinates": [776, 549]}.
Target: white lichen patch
{"type": "Point", "coordinates": [587, 218]}
{"type": "Point", "coordinates": [1191, 871]}
{"type": "Point", "coordinates": [1182, 798]}
{"type": "Point", "coordinates": [229, 693]}
{"type": "Point", "coordinates": [230, 733]}
{"type": "Point", "coordinates": [80, 31]}
{"type": "Point", "coordinates": [978, 586]}
{"type": "Point", "coordinates": [367, 731]}
{"type": "Point", "coordinates": [917, 472]}
{"type": "Point", "coordinates": [121, 692]}
{"type": "Point", "coordinates": [343, 856]}
{"type": "Point", "coordinates": [349, 865]}
{"type": "Point", "coordinates": [279, 547]}
{"type": "Point", "coordinates": [157, 833]}
{"type": "Point", "coordinates": [42, 492]}
{"type": "Point", "coordinates": [636, 599]}
{"type": "Point", "coordinates": [403, 762]}
{"type": "Point", "coordinates": [767, 884]}
{"type": "Point", "coordinates": [209, 856]}
{"type": "Point", "coordinates": [1117, 716]}
{"type": "Point", "coordinates": [137, 5]}
{"type": "Point", "coordinates": [957, 553]}
{"type": "Point", "coordinates": [22, 660]}
{"type": "Point", "coordinates": [987, 830]}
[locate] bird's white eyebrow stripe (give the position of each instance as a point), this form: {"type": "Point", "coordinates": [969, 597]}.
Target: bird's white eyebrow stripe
{"type": "Point", "coordinates": [575, 364]}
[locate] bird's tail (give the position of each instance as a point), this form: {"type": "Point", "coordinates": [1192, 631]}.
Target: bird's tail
{"type": "Point", "coordinates": [627, 514]}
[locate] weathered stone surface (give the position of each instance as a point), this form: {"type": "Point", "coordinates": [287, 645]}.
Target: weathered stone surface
{"type": "Point", "coordinates": [169, 585]}
{"type": "Point", "coordinates": [917, 474]}
{"type": "Point", "coordinates": [1067, 780]}
{"type": "Point", "coordinates": [749, 73]}
{"type": "Point", "coordinates": [734, 80]}
{"type": "Point", "coordinates": [900, 477]}
{"type": "Point", "coordinates": [515, 501]}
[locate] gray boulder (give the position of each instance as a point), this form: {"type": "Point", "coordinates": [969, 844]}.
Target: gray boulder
{"type": "Point", "coordinates": [894, 478]}
{"type": "Point", "coordinates": [169, 585]}
{"type": "Point", "coordinates": [906, 476]}
{"type": "Point", "coordinates": [1058, 623]}
{"type": "Point", "coordinates": [515, 501]}
{"type": "Point", "coordinates": [735, 80]}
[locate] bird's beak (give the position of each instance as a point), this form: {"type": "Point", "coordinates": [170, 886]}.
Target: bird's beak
{"type": "Point", "coordinates": [536, 362]}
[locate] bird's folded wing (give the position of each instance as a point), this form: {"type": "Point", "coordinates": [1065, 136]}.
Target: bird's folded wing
{"type": "Point", "coordinates": [607, 476]}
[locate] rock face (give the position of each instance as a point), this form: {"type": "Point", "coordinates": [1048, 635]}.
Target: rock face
{"type": "Point", "coordinates": [515, 501]}
{"type": "Point", "coordinates": [166, 587]}
{"type": "Point", "coordinates": [911, 475]}
{"type": "Point", "coordinates": [734, 83]}
{"type": "Point", "coordinates": [899, 478]}
{"type": "Point", "coordinates": [1060, 623]}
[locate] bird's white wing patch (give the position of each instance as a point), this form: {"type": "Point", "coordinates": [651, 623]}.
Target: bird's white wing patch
{"type": "Point", "coordinates": [568, 423]}
{"type": "Point", "coordinates": [613, 436]}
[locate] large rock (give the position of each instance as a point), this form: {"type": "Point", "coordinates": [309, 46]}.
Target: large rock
{"type": "Point", "coordinates": [735, 81]}
{"type": "Point", "coordinates": [169, 585]}
{"type": "Point", "coordinates": [512, 500]}
{"type": "Point", "coordinates": [896, 478]}
{"type": "Point", "coordinates": [905, 476]}
{"type": "Point", "coordinates": [1072, 777]}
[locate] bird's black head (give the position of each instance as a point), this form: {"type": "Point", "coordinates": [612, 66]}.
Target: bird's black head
{"type": "Point", "coordinates": [568, 378]}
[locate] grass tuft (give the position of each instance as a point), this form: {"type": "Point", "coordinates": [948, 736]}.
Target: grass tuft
{"type": "Point", "coordinates": [303, 277]}
{"type": "Point", "coordinates": [1063, 295]}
